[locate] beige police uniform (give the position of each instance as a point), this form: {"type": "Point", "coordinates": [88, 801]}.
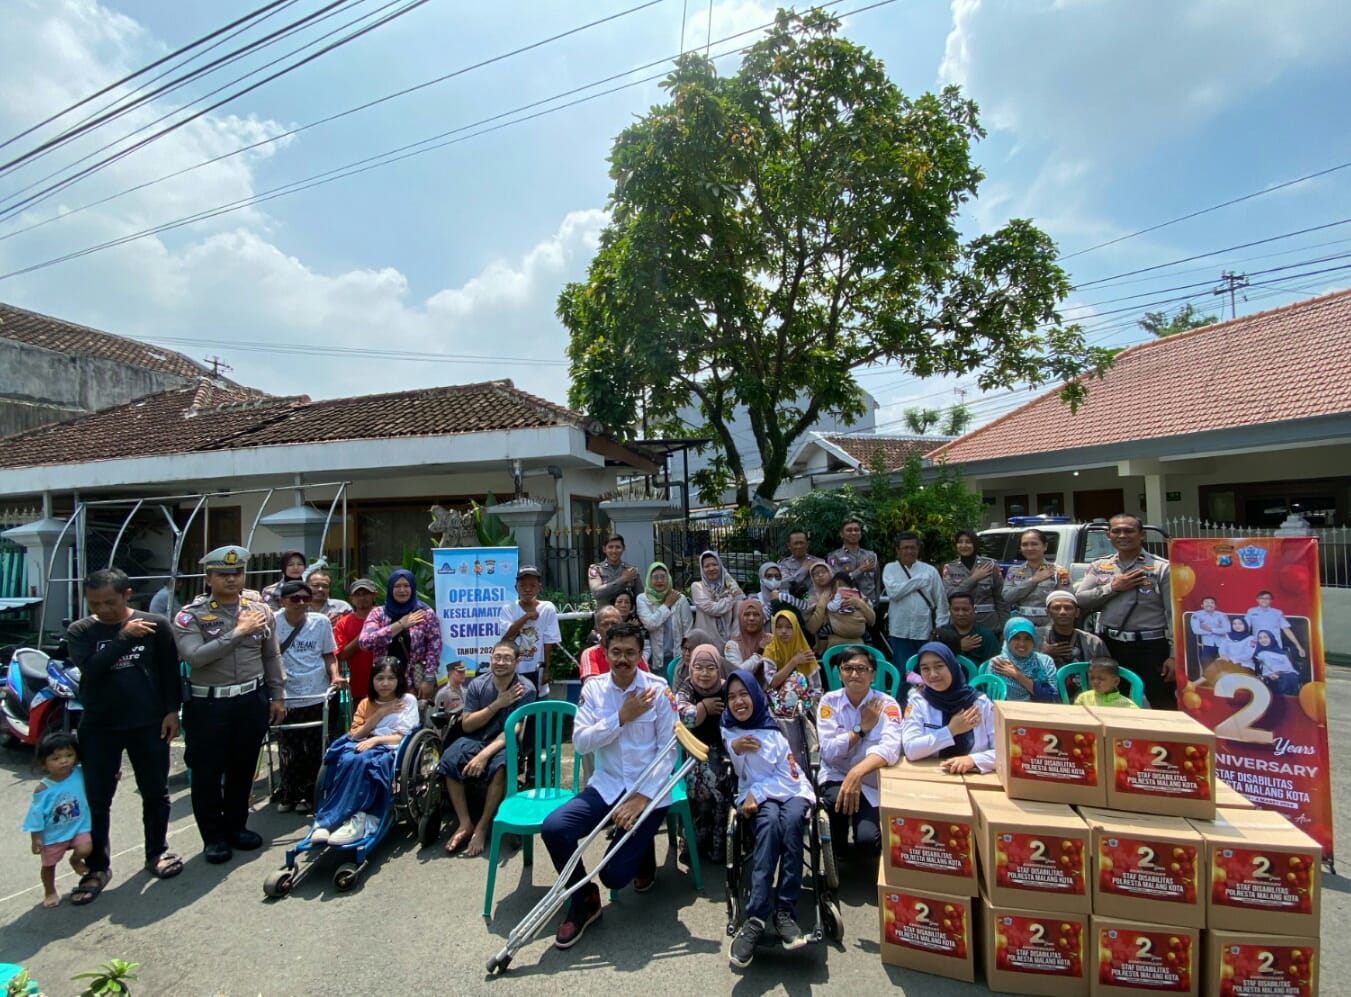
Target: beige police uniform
{"type": "Point", "coordinates": [1137, 624]}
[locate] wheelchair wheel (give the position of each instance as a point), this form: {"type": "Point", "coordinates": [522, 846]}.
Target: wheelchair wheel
{"type": "Point", "coordinates": [831, 920]}
{"type": "Point", "coordinates": [278, 883]}
{"type": "Point", "coordinates": [419, 788]}
{"type": "Point", "coordinates": [428, 828]}
{"type": "Point", "coordinates": [318, 786]}
{"type": "Point", "coordinates": [830, 872]}
{"type": "Point", "coordinates": [346, 877]}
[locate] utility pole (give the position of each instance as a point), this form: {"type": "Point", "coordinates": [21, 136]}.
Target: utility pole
{"type": "Point", "coordinates": [217, 365]}
{"type": "Point", "coordinates": [1231, 282]}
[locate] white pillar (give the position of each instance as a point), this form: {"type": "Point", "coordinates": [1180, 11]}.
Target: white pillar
{"type": "Point", "coordinates": [1156, 508]}
{"type": "Point", "coordinates": [526, 518]}
{"type": "Point", "coordinates": [39, 539]}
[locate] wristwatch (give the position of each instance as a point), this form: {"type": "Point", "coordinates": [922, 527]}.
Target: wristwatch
{"type": "Point", "coordinates": [858, 729]}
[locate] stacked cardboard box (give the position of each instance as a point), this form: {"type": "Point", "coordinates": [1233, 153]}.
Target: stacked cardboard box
{"type": "Point", "coordinates": [1096, 863]}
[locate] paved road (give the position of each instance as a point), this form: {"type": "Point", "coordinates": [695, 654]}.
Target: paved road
{"type": "Point", "coordinates": [414, 926]}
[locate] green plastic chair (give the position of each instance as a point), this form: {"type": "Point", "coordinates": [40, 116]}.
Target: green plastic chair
{"type": "Point", "coordinates": [1135, 686]}
{"type": "Point", "coordinates": [972, 669]}
{"type": "Point", "coordinates": [523, 811]}
{"type": "Point", "coordinates": [671, 667]}
{"type": "Point", "coordinates": [993, 686]}
{"type": "Point", "coordinates": [887, 678]}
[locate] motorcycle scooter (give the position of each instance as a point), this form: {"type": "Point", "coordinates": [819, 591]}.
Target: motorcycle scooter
{"type": "Point", "coordinates": [40, 694]}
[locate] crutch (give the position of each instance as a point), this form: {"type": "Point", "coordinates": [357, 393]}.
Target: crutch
{"type": "Point", "coordinates": [560, 893]}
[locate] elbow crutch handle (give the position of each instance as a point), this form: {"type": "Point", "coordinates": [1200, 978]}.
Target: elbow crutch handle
{"type": "Point", "coordinates": [692, 745]}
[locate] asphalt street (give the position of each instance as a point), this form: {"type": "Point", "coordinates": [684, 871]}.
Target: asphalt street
{"type": "Point", "coordinates": [413, 923]}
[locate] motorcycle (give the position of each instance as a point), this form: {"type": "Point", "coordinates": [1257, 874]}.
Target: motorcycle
{"type": "Point", "coordinates": [40, 694]}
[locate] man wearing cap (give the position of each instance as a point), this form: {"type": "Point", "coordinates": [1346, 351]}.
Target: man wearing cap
{"type": "Point", "coordinates": [1060, 638]}
{"type": "Point", "coordinates": [531, 623]}
{"type": "Point", "coordinates": [237, 684]}
{"type": "Point", "coordinates": [613, 575]}
{"type": "Point", "coordinates": [1135, 621]}
{"type": "Point", "coordinates": [347, 636]}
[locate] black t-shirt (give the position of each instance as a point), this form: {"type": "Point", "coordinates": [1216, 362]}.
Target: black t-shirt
{"type": "Point", "coordinates": [125, 683]}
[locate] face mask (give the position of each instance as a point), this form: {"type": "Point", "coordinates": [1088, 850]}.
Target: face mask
{"type": "Point", "coordinates": [773, 584]}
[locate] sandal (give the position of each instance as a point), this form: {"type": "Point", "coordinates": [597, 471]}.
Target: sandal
{"type": "Point", "coordinates": [90, 886]}
{"type": "Point", "coordinates": [166, 866]}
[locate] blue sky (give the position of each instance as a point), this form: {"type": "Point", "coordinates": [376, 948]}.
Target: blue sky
{"type": "Point", "coordinates": [1104, 118]}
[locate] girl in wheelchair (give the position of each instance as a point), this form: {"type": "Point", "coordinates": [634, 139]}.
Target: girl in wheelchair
{"type": "Point", "coordinates": [946, 718]}
{"type": "Point", "coordinates": [359, 766]}
{"type": "Point", "coordinates": [775, 796]}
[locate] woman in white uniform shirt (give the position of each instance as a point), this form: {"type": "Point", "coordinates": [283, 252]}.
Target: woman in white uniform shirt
{"type": "Point", "coordinates": [946, 718]}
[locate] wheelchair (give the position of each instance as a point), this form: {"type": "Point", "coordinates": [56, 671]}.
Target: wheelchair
{"type": "Point", "coordinates": [822, 879]}
{"type": "Point", "coordinates": [414, 801]}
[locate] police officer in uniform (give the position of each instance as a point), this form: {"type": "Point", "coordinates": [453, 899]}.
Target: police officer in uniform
{"type": "Point", "coordinates": [237, 685]}
{"type": "Point", "coordinates": [979, 577]}
{"type": "Point", "coordinates": [1131, 591]}
{"type": "Point", "coordinates": [613, 575]}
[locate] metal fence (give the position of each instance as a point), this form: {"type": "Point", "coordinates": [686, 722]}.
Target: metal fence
{"type": "Point", "coordinates": [1334, 543]}
{"type": "Point", "coordinates": [743, 549]}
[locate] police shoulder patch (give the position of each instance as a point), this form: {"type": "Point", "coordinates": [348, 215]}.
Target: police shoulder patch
{"type": "Point", "coordinates": [184, 619]}
{"type": "Point", "coordinates": [593, 571]}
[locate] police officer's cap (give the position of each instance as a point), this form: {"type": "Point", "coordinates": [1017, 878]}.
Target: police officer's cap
{"type": "Point", "coordinates": [231, 557]}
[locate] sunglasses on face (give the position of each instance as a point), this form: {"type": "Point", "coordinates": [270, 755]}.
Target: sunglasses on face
{"type": "Point", "coordinates": [297, 598]}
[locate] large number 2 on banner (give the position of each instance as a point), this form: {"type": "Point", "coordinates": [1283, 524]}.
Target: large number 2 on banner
{"type": "Point", "coordinates": [1239, 726]}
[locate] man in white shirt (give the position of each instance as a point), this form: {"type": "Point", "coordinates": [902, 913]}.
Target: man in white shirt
{"type": "Point", "coordinates": [626, 718]}
{"type": "Point", "coordinates": [918, 604]}
{"type": "Point", "coordinates": [1211, 628]}
{"type": "Point", "coordinates": [532, 623]}
{"type": "Point", "coordinates": [860, 730]}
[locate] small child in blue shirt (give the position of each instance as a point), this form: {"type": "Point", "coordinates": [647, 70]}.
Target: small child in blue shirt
{"type": "Point", "coordinates": [58, 816]}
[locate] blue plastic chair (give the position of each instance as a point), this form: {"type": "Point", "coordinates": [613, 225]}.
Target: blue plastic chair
{"type": "Point", "coordinates": [1135, 686]}
{"type": "Point", "coordinates": [993, 686]}
{"type": "Point", "coordinates": [523, 811]}
{"type": "Point", "coordinates": [887, 678]}
{"type": "Point", "coordinates": [972, 669]}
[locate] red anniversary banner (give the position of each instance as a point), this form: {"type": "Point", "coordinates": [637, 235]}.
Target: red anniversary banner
{"type": "Point", "coordinates": [1248, 636]}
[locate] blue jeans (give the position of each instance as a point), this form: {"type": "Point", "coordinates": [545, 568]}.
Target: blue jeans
{"type": "Point", "coordinates": [574, 820]}
{"type": "Point", "coordinates": [902, 649]}
{"type": "Point", "coordinates": [1284, 684]}
{"type": "Point", "coordinates": [778, 827]}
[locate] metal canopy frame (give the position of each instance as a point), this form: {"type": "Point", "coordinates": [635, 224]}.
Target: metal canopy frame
{"type": "Point", "coordinates": [201, 505]}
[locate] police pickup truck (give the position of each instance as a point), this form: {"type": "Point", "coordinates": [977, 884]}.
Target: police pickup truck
{"type": "Point", "coordinates": [1069, 544]}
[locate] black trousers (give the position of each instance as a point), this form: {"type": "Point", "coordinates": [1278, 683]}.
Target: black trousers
{"type": "Point", "coordinates": [223, 739]}
{"type": "Point", "coordinates": [101, 756]}
{"type": "Point", "coordinates": [1144, 657]}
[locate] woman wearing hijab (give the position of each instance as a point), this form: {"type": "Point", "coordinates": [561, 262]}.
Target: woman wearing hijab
{"type": "Point", "coordinates": [822, 582]}
{"type": "Point", "coordinates": [790, 673]}
{"type": "Point", "coordinates": [700, 700]}
{"type": "Point", "coordinates": [774, 795]}
{"type": "Point", "coordinates": [1277, 670]}
{"type": "Point", "coordinates": [694, 637]}
{"type": "Point", "coordinates": [1240, 646]}
{"type": "Point", "coordinates": [844, 618]}
{"type": "Point", "coordinates": [292, 570]}
{"type": "Point", "coordinates": [743, 650]}
{"type": "Point", "coordinates": [715, 596]}
{"type": "Point", "coordinates": [946, 718]}
{"type": "Point", "coordinates": [976, 576]}
{"type": "Point", "coordinates": [665, 614]}
{"type": "Point", "coordinates": [406, 628]}
{"type": "Point", "coordinates": [1029, 674]}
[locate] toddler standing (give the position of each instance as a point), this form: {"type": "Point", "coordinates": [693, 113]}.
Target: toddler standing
{"type": "Point", "coordinates": [58, 816]}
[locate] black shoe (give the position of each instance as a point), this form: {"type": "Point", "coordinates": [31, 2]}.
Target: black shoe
{"type": "Point", "coordinates": [743, 945]}
{"type": "Point", "coordinates": [246, 840]}
{"type": "Point", "coordinates": [789, 932]}
{"type": "Point", "coordinates": [217, 852]}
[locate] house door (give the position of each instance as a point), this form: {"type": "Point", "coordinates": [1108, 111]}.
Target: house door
{"type": "Point", "coordinates": [1098, 503]}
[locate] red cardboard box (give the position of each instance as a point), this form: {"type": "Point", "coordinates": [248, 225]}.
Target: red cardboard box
{"type": "Point", "coordinates": [930, 932]}
{"type": "Point", "coordinates": [1035, 952]}
{"type": "Point", "coordinates": [1239, 964]}
{"type": "Point", "coordinates": [1050, 752]}
{"type": "Point", "coordinates": [1160, 762]}
{"type": "Point", "coordinates": [929, 829]}
{"type": "Point", "coordinates": [1033, 856]}
{"type": "Point", "coordinates": [1147, 868]}
{"type": "Point", "coordinates": [1265, 874]}
{"type": "Point", "coordinates": [1132, 959]}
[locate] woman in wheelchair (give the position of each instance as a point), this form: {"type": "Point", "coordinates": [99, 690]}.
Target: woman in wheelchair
{"type": "Point", "coordinates": [947, 718]}
{"type": "Point", "coordinates": [359, 766]}
{"type": "Point", "coordinates": [773, 794]}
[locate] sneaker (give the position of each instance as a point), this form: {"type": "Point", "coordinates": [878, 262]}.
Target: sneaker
{"type": "Point", "coordinates": [351, 831]}
{"type": "Point", "coordinates": [743, 945]}
{"type": "Point", "coordinates": [303, 808]}
{"type": "Point", "coordinates": [320, 836]}
{"type": "Point", "coordinates": [644, 883]}
{"type": "Point", "coordinates": [582, 910]}
{"type": "Point", "coordinates": [789, 932]}
{"type": "Point", "coordinates": [285, 808]}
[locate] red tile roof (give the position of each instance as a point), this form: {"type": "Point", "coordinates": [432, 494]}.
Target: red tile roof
{"type": "Point", "coordinates": [895, 449]}
{"type": "Point", "coordinates": [1288, 363]}
{"type": "Point", "coordinates": [61, 336]}
{"type": "Point", "coordinates": [207, 416]}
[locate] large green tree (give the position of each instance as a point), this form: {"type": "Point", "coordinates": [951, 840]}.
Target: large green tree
{"type": "Point", "coordinates": [1186, 318]}
{"type": "Point", "coordinates": [773, 230]}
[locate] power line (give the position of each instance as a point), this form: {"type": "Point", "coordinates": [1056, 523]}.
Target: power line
{"type": "Point", "coordinates": [145, 69]}
{"type": "Point", "coordinates": [353, 110]}
{"type": "Point", "coordinates": [1205, 211]}
{"type": "Point", "coordinates": [406, 8]}
{"type": "Point", "coordinates": [399, 154]}
{"type": "Point", "coordinates": [301, 349]}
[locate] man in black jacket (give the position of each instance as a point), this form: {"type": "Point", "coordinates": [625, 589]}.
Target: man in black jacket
{"type": "Point", "coordinates": [130, 690]}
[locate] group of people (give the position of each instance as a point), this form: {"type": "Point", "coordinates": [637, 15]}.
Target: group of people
{"type": "Point", "coordinates": [1262, 640]}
